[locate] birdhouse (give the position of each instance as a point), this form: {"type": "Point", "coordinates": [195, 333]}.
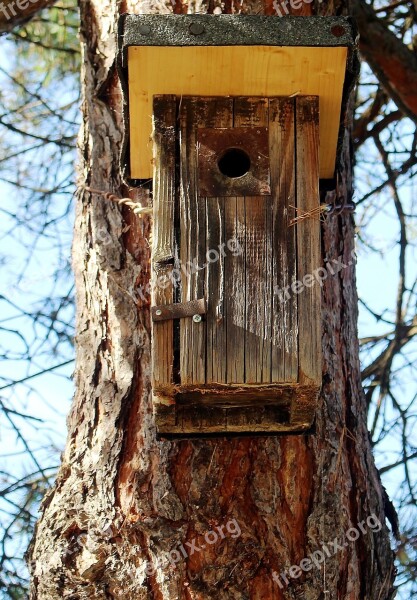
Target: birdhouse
{"type": "Point", "coordinates": [235, 119]}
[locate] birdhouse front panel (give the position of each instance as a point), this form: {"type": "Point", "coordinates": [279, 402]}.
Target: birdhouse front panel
{"type": "Point", "coordinates": [236, 332]}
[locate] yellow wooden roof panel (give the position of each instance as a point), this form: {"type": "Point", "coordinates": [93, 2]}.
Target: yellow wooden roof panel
{"type": "Point", "coordinates": [233, 71]}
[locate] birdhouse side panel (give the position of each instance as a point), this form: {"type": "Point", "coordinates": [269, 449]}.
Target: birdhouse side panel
{"type": "Point", "coordinates": [308, 239]}
{"type": "Point", "coordinates": [284, 310]}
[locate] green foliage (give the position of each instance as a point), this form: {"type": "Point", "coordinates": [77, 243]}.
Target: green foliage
{"type": "Point", "coordinates": [49, 42]}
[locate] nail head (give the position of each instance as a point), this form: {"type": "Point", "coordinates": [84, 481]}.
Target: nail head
{"type": "Point", "coordinates": [145, 29]}
{"type": "Point", "coordinates": [338, 30]}
{"type": "Point", "coordinates": [196, 29]}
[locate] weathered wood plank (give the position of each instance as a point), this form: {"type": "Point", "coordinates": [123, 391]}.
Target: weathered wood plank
{"type": "Point", "coordinates": [213, 418]}
{"type": "Point", "coordinates": [217, 286]}
{"type": "Point", "coordinates": [262, 408]}
{"type": "Point", "coordinates": [252, 112]}
{"type": "Point", "coordinates": [235, 297]}
{"type": "Point", "coordinates": [164, 117]}
{"type": "Point", "coordinates": [227, 395]}
{"type": "Point", "coordinates": [284, 301]}
{"type": "Point", "coordinates": [216, 290]}
{"type": "Point", "coordinates": [189, 420]}
{"type": "Point", "coordinates": [308, 238]}
{"type": "Point", "coordinates": [192, 217]}
{"type": "Point", "coordinates": [194, 112]}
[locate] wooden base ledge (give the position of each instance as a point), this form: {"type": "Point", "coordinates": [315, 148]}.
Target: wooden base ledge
{"type": "Point", "coordinates": [215, 411]}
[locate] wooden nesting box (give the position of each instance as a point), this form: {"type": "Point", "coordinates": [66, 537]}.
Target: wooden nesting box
{"type": "Point", "coordinates": [236, 340]}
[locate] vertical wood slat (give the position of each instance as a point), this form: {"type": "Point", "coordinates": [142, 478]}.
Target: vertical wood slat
{"type": "Point", "coordinates": [164, 117]}
{"type": "Point", "coordinates": [284, 301]}
{"type": "Point", "coordinates": [216, 281]}
{"type": "Point", "coordinates": [192, 223]}
{"type": "Point", "coordinates": [216, 291]}
{"type": "Point", "coordinates": [194, 112]}
{"type": "Point", "coordinates": [235, 304]}
{"type": "Point", "coordinates": [235, 296]}
{"type": "Point", "coordinates": [253, 112]}
{"type": "Point", "coordinates": [308, 238]}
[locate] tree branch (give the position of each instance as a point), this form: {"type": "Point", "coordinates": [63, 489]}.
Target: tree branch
{"type": "Point", "coordinates": [393, 62]}
{"type": "Point", "coordinates": [11, 15]}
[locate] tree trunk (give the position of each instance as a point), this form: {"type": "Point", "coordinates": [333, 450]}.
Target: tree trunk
{"type": "Point", "coordinates": [134, 517]}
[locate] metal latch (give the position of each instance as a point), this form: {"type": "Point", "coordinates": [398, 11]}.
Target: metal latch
{"type": "Point", "coordinates": [179, 310]}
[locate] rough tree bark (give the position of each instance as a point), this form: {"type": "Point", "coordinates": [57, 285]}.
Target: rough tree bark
{"type": "Point", "coordinates": [122, 498]}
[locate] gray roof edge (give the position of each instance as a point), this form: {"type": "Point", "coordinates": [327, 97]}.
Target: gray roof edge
{"type": "Point", "coordinates": [235, 30]}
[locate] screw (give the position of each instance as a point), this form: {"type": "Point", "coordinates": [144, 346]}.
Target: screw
{"type": "Point", "coordinates": [144, 29]}
{"type": "Point", "coordinates": [197, 318]}
{"type": "Point", "coordinates": [196, 29]}
{"type": "Point", "coordinates": [158, 312]}
{"type": "Point", "coordinates": [338, 30]}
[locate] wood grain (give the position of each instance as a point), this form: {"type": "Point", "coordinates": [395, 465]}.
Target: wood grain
{"type": "Point", "coordinates": [163, 236]}
{"type": "Point", "coordinates": [258, 260]}
{"type": "Point", "coordinates": [284, 363]}
{"type": "Point", "coordinates": [216, 278]}
{"type": "Point", "coordinates": [235, 295]}
{"type": "Point", "coordinates": [233, 71]}
{"type": "Point", "coordinates": [308, 238]}
{"type": "Point", "coordinates": [195, 112]}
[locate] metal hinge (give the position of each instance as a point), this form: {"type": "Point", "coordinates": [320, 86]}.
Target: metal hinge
{"type": "Point", "coordinates": [179, 310]}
